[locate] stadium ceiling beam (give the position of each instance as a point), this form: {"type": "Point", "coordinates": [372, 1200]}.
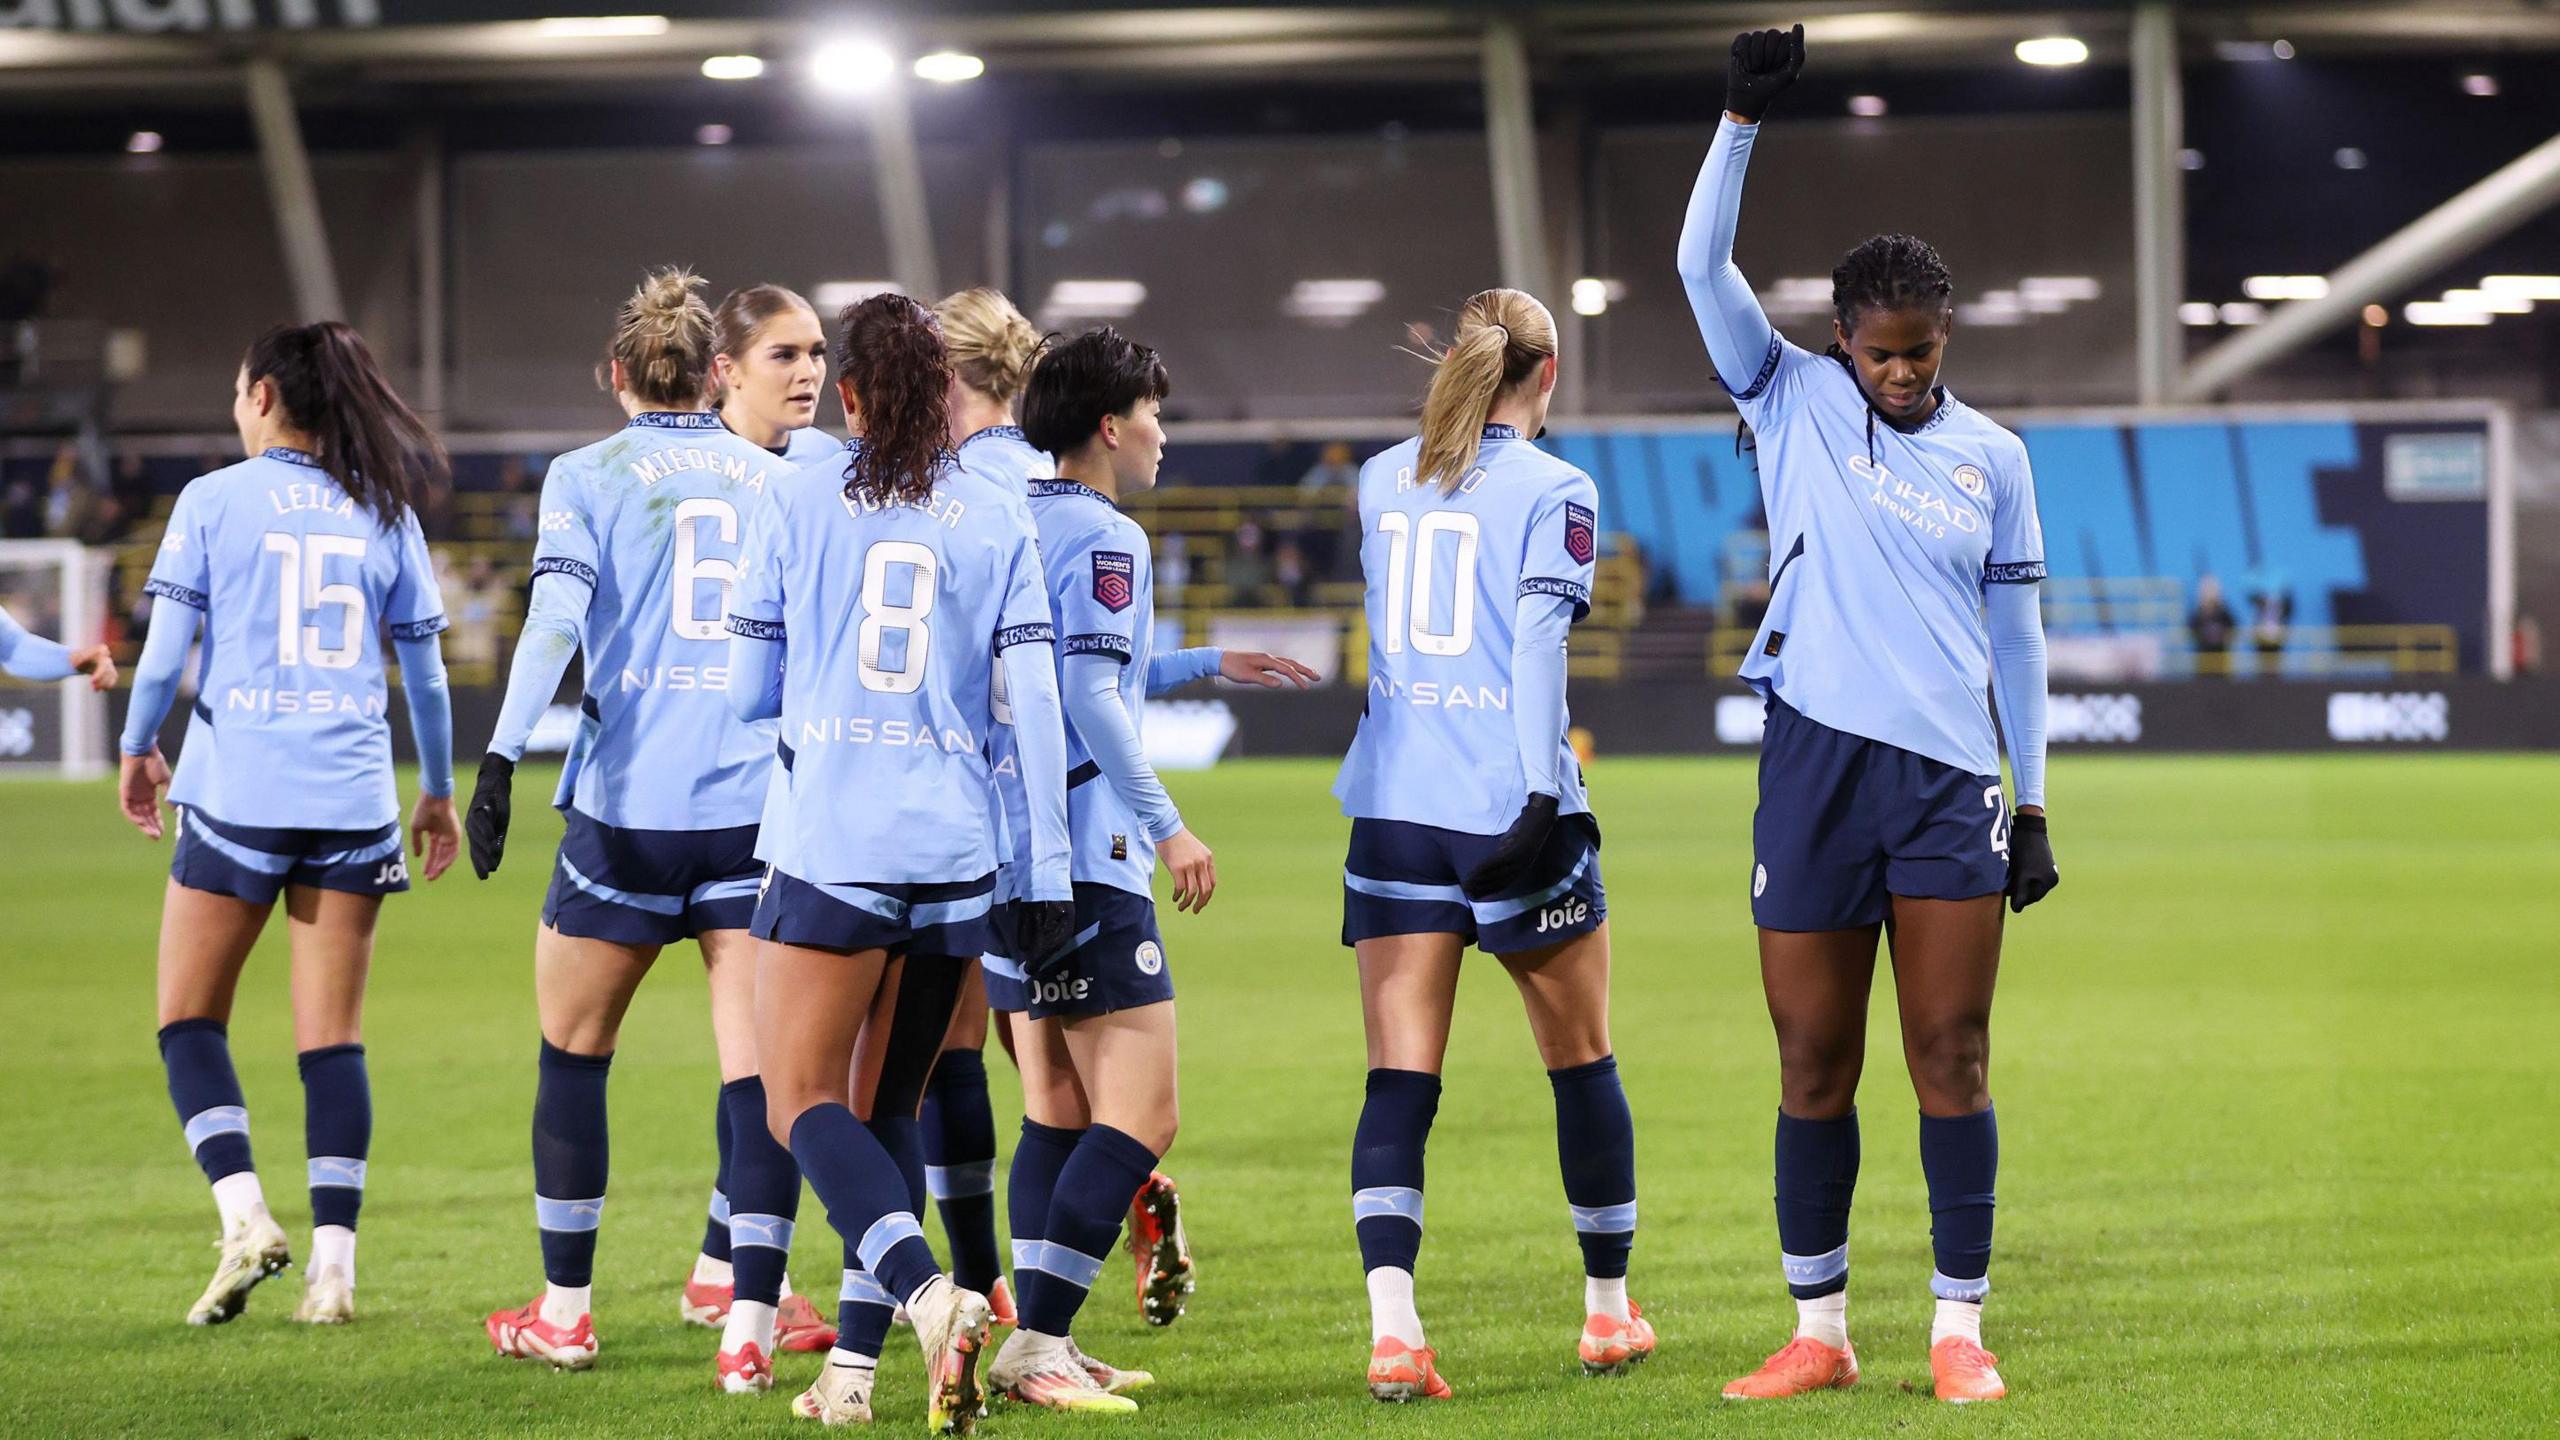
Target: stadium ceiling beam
{"type": "Point", "coordinates": [898, 172]}
{"type": "Point", "coordinates": [1511, 149]}
{"type": "Point", "coordinates": [290, 191]}
{"type": "Point", "coordinates": [2159, 210]}
{"type": "Point", "coordinates": [2510, 195]}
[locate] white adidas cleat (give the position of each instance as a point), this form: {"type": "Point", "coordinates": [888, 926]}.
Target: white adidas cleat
{"type": "Point", "coordinates": [1036, 1370]}
{"type": "Point", "coordinates": [328, 1297]}
{"type": "Point", "coordinates": [1111, 1378]}
{"type": "Point", "coordinates": [254, 1250]}
{"type": "Point", "coordinates": [840, 1396]}
{"type": "Point", "coordinates": [952, 1326]}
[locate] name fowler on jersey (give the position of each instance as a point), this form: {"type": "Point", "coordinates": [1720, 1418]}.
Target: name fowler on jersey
{"type": "Point", "coordinates": [865, 730]}
{"type": "Point", "coordinates": [1431, 694]}
{"type": "Point", "coordinates": [1923, 510]}
{"type": "Point", "coordinates": [941, 505]}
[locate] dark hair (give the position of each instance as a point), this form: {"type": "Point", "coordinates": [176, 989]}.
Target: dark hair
{"type": "Point", "coordinates": [1889, 272]}
{"type": "Point", "coordinates": [890, 351]}
{"type": "Point", "coordinates": [362, 432]}
{"type": "Point", "coordinates": [1077, 382]}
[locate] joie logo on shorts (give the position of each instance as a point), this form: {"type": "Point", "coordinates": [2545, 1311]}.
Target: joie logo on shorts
{"type": "Point", "coordinates": [1114, 579]}
{"type": "Point", "coordinates": [1053, 992]}
{"type": "Point", "coordinates": [1151, 957]}
{"type": "Point", "coordinates": [393, 872]}
{"type": "Point", "coordinates": [1573, 911]}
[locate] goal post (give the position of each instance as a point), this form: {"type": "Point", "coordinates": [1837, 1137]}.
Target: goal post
{"type": "Point", "coordinates": [57, 589]}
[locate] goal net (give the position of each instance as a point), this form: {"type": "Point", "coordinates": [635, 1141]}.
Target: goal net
{"type": "Point", "coordinates": [57, 589]}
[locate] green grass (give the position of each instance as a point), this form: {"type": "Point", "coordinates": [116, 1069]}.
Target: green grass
{"type": "Point", "coordinates": [2278, 1072]}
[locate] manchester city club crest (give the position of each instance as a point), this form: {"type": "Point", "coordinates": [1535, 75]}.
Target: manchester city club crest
{"type": "Point", "coordinates": [1969, 479]}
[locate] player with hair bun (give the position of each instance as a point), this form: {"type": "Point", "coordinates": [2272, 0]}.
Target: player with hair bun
{"type": "Point", "coordinates": [1469, 821]}
{"type": "Point", "coordinates": [638, 554]}
{"type": "Point", "coordinates": [1906, 553]}
{"type": "Point", "coordinates": [294, 564]}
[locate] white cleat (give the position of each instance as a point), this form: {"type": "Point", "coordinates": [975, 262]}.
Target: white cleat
{"type": "Point", "coordinates": [840, 1396]}
{"type": "Point", "coordinates": [1035, 1371]}
{"type": "Point", "coordinates": [952, 1326]}
{"type": "Point", "coordinates": [1111, 1379]}
{"type": "Point", "coordinates": [328, 1297]}
{"type": "Point", "coordinates": [254, 1250]}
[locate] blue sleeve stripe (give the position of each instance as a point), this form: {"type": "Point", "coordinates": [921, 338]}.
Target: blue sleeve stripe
{"type": "Point", "coordinates": [755, 629]}
{"type": "Point", "coordinates": [2015, 572]}
{"type": "Point", "coordinates": [1037, 633]}
{"type": "Point", "coordinates": [1115, 646]}
{"type": "Point", "coordinates": [172, 590]}
{"type": "Point", "coordinates": [563, 565]}
{"type": "Point", "coordinates": [420, 629]}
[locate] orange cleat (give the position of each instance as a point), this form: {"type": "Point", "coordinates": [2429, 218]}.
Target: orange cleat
{"type": "Point", "coordinates": [744, 1371]}
{"type": "Point", "coordinates": [1610, 1345]}
{"type": "Point", "coordinates": [1965, 1372]}
{"type": "Point", "coordinates": [705, 1304]}
{"type": "Point", "coordinates": [1399, 1372]}
{"type": "Point", "coordinates": [800, 1329]}
{"type": "Point", "coordinates": [1162, 1250]}
{"type": "Point", "coordinates": [1801, 1367]}
{"type": "Point", "coordinates": [524, 1335]}
{"type": "Point", "coordinates": [1000, 1305]}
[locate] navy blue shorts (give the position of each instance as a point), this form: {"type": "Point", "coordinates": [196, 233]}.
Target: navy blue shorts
{"type": "Point", "coordinates": [903, 919]}
{"type": "Point", "coordinates": [1845, 823]}
{"type": "Point", "coordinates": [1005, 988]}
{"type": "Point", "coordinates": [251, 863]}
{"type": "Point", "coordinates": [1402, 879]}
{"type": "Point", "coordinates": [651, 887]}
{"type": "Point", "coordinates": [1117, 964]}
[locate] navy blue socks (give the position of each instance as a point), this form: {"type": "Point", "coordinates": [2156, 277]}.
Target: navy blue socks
{"type": "Point", "coordinates": [715, 1231]}
{"type": "Point", "coordinates": [764, 1196]}
{"type": "Point", "coordinates": [1031, 1183]}
{"type": "Point", "coordinates": [1596, 1148]}
{"type": "Point", "coordinates": [1085, 1215]}
{"type": "Point", "coordinates": [1817, 1176]}
{"type": "Point", "coordinates": [337, 1130]}
{"type": "Point", "coordinates": [197, 1056]}
{"type": "Point", "coordinates": [865, 1197]}
{"type": "Point", "coordinates": [960, 1165]}
{"type": "Point", "coordinates": [1960, 1156]}
{"type": "Point", "coordinates": [1386, 1166]}
{"type": "Point", "coordinates": [570, 1158]}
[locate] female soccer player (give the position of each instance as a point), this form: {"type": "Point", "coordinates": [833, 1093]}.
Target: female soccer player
{"type": "Point", "coordinates": [32, 657]}
{"type": "Point", "coordinates": [1469, 822]}
{"type": "Point", "coordinates": [888, 601]}
{"type": "Point", "coordinates": [637, 555]}
{"type": "Point", "coordinates": [293, 563]}
{"type": "Point", "coordinates": [1904, 529]}
{"type": "Point", "coordinates": [768, 362]}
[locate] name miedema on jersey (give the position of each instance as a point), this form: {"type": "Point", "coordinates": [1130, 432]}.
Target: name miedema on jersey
{"type": "Point", "coordinates": [1433, 695]}
{"type": "Point", "coordinates": [900, 734]}
{"type": "Point", "coordinates": [657, 465]}
{"type": "Point", "coordinates": [264, 701]}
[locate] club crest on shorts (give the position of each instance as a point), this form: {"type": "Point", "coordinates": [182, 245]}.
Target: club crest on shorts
{"type": "Point", "coordinates": [1581, 533]}
{"type": "Point", "coordinates": [1114, 579]}
{"type": "Point", "coordinates": [1150, 958]}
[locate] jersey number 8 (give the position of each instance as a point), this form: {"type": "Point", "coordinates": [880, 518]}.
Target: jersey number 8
{"type": "Point", "coordinates": [1416, 548]}
{"type": "Point", "coordinates": [880, 618]}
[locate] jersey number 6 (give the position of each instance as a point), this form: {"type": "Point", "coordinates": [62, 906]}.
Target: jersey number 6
{"type": "Point", "coordinates": [1416, 548]}
{"type": "Point", "coordinates": [692, 567]}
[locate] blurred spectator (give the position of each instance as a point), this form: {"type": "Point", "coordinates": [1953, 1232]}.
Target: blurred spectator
{"type": "Point", "coordinates": [2212, 625]}
{"type": "Point", "coordinates": [21, 511]}
{"type": "Point", "coordinates": [109, 522]}
{"type": "Point", "coordinates": [475, 607]}
{"type": "Point", "coordinates": [1334, 470]}
{"type": "Point", "coordinates": [67, 502]}
{"type": "Point", "coordinates": [2270, 615]}
{"type": "Point", "coordinates": [132, 483]}
{"type": "Point", "coordinates": [1278, 467]}
{"type": "Point", "coordinates": [2528, 645]}
{"type": "Point", "coordinates": [1248, 569]}
{"type": "Point", "coordinates": [1173, 564]}
{"type": "Point", "coordinates": [1289, 571]}
{"type": "Point", "coordinates": [524, 501]}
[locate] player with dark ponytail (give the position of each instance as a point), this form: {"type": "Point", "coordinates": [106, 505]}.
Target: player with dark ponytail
{"type": "Point", "coordinates": [1902, 527]}
{"type": "Point", "coordinates": [294, 564]}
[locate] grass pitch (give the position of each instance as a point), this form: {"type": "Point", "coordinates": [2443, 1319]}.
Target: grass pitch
{"type": "Point", "coordinates": [2278, 1070]}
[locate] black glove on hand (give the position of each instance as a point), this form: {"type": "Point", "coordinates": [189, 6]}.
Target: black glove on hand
{"type": "Point", "coordinates": [1518, 849]}
{"type": "Point", "coordinates": [1764, 62]}
{"type": "Point", "coordinates": [1046, 931]}
{"type": "Point", "coordinates": [492, 807]}
{"type": "Point", "coordinates": [2031, 872]}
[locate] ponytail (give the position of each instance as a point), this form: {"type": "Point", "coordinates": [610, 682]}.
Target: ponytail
{"type": "Point", "coordinates": [889, 349]}
{"type": "Point", "coordinates": [362, 432]}
{"type": "Point", "coordinates": [1503, 336]}
{"type": "Point", "coordinates": [664, 341]}
{"type": "Point", "coordinates": [992, 346]}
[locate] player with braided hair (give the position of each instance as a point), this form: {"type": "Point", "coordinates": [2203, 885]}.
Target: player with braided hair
{"type": "Point", "coordinates": [1906, 552]}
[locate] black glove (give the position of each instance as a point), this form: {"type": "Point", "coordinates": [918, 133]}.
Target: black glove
{"type": "Point", "coordinates": [1764, 62]}
{"type": "Point", "coordinates": [492, 807]}
{"type": "Point", "coordinates": [1518, 849]}
{"type": "Point", "coordinates": [1046, 932]}
{"type": "Point", "coordinates": [2031, 872]}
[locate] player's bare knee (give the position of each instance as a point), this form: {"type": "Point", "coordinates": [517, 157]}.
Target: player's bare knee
{"type": "Point", "coordinates": [1950, 1066]}
{"type": "Point", "coordinates": [1818, 1080]}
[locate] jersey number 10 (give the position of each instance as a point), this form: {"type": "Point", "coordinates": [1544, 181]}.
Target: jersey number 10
{"type": "Point", "coordinates": [1414, 549]}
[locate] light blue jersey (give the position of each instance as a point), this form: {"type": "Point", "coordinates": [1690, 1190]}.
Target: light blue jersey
{"type": "Point", "coordinates": [1438, 742]}
{"type": "Point", "coordinates": [298, 585]}
{"type": "Point", "coordinates": [653, 518]}
{"type": "Point", "coordinates": [1102, 589]}
{"type": "Point", "coordinates": [808, 445]}
{"type": "Point", "coordinates": [887, 617]}
{"type": "Point", "coordinates": [1001, 456]}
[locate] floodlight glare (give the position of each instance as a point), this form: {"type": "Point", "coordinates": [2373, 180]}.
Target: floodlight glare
{"type": "Point", "coordinates": [2436, 312]}
{"type": "Point", "coordinates": [949, 67]}
{"type": "Point", "coordinates": [2523, 287]}
{"type": "Point", "coordinates": [2197, 312]}
{"type": "Point", "coordinates": [732, 67]}
{"type": "Point", "coordinates": [142, 142]}
{"type": "Point", "coordinates": [2285, 287]}
{"type": "Point", "coordinates": [1590, 296]}
{"type": "Point", "coordinates": [2053, 50]}
{"type": "Point", "coordinates": [600, 27]}
{"type": "Point", "coordinates": [852, 67]}
{"type": "Point", "coordinates": [1866, 106]}
{"type": "Point", "coordinates": [2481, 84]}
